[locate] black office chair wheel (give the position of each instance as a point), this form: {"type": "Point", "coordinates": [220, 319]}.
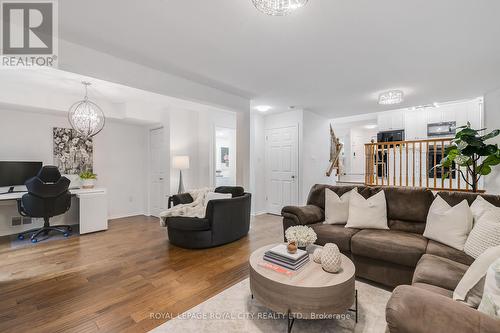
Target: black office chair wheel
{"type": "Point", "coordinates": [34, 240]}
{"type": "Point", "coordinates": [66, 234]}
{"type": "Point", "coordinates": [70, 229]}
{"type": "Point", "coordinates": [20, 236]}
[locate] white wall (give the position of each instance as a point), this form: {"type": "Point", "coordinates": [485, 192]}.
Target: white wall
{"type": "Point", "coordinates": [257, 166]}
{"type": "Point", "coordinates": [192, 133]}
{"type": "Point", "coordinates": [119, 154]}
{"type": "Point", "coordinates": [491, 122]}
{"type": "Point", "coordinates": [315, 152]}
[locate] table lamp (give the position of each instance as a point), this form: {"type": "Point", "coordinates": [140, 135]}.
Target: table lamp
{"type": "Point", "coordinates": [182, 163]}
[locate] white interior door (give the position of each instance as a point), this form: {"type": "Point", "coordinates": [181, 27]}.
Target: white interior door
{"type": "Point", "coordinates": [281, 168]}
{"type": "Point", "coordinates": [157, 178]}
{"type": "Point", "coordinates": [358, 158]}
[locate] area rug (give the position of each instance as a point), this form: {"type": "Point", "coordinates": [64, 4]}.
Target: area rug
{"type": "Point", "coordinates": [233, 310]}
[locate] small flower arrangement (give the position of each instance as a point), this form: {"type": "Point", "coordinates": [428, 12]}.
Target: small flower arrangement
{"type": "Point", "coordinates": [301, 234]}
{"type": "Point", "coordinates": [88, 179]}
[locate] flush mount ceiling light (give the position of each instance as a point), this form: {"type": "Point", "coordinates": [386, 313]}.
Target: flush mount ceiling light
{"type": "Point", "coordinates": [278, 7]}
{"type": "Point", "coordinates": [86, 117]}
{"type": "Point", "coordinates": [390, 97]}
{"type": "Point", "coordinates": [263, 108]}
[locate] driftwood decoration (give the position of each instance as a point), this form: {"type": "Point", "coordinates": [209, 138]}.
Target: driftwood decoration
{"type": "Point", "coordinates": [335, 149]}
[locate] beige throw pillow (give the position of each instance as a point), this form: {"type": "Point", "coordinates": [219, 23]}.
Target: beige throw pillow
{"type": "Point", "coordinates": [337, 208]}
{"type": "Point", "coordinates": [449, 225]}
{"type": "Point", "coordinates": [480, 206]}
{"type": "Point", "coordinates": [368, 213]}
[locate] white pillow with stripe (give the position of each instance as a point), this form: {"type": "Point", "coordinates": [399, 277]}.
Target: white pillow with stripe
{"type": "Point", "coordinates": [485, 234]}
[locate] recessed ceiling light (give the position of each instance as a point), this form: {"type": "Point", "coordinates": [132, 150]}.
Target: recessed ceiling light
{"type": "Point", "coordinates": [371, 126]}
{"type": "Point", "coordinates": [263, 108]}
{"type": "Point", "coordinates": [390, 97]}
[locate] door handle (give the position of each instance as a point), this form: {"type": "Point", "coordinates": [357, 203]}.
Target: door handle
{"type": "Point", "coordinates": [161, 178]}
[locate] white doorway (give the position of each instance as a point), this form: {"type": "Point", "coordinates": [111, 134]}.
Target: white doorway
{"type": "Point", "coordinates": [157, 173]}
{"type": "Point", "coordinates": [281, 164]}
{"type": "Point", "coordinates": [225, 156]}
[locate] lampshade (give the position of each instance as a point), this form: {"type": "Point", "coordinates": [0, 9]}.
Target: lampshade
{"type": "Point", "coordinates": [181, 162]}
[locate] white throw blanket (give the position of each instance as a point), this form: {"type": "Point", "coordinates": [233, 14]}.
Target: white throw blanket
{"type": "Point", "coordinates": [196, 208]}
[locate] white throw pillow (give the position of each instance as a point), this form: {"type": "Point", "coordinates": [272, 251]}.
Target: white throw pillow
{"type": "Point", "coordinates": [479, 207]}
{"type": "Point", "coordinates": [215, 196]}
{"type": "Point", "coordinates": [368, 213]}
{"type": "Point", "coordinates": [449, 225]}
{"type": "Point", "coordinates": [337, 208]}
{"type": "Point", "coordinates": [490, 304]}
{"type": "Point", "coordinates": [485, 234]}
{"type": "Point", "coordinates": [470, 287]}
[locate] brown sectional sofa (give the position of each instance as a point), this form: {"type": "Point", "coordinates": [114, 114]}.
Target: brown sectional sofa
{"type": "Point", "coordinates": [402, 257]}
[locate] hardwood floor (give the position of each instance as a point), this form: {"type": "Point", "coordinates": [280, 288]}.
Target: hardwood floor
{"type": "Point", "coordinates": [113, 281]}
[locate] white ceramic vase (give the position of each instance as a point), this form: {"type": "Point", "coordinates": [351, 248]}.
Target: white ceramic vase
{"type": "Point", "coordinates": [88, 183]}
{"type": "Point", "coordinates": [331, 260]}
{"type": "Point", "coordinates": [317, 255]}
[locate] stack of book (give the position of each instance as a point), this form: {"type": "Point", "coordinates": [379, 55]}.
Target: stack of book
{"type": "Point", "coordinates": [279, 255]}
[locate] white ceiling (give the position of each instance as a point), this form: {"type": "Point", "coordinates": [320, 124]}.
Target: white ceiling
{"type": "Point", "coordinates": [331, 57]}
{"type": "Point", "coordinates": [54, 91]}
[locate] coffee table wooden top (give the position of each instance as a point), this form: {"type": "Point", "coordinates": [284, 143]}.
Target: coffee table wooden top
{"type": "Point", "coordinates": [311, 275]}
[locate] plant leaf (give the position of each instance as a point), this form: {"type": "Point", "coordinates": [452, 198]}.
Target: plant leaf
{"type": "Point", "coordinates": [490, 135]}
{"type": "Point", "coordinates": [484, 170]}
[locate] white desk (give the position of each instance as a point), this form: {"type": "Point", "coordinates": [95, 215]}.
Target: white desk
{"type": "Point", "coordinates": [92, 208]}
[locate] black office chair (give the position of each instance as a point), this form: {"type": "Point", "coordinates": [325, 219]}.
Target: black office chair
{"type": "Point", "coordinates": [47, 196]}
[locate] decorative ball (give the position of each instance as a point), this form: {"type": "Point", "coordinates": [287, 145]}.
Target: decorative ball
{"type": "Point", "coordinates": [317, 255]}
{"type": "Point", "coordinates": [291, 247]}
{"type": "Point", "coordinates": [331, 260]}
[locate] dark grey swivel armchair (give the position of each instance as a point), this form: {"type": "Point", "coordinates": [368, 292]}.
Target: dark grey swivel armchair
{"type": "Point", "coordinates": [225, 221]}
{"type": "Point", "coordinates": [47, 196]}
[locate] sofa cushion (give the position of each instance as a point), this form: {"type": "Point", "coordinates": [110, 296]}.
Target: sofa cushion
{"type": "Point", "coordinates": [338, 234]}
{"type": "Point", "coordinates": [389, 245]}
{"type": "Point", "coordinates": [235, 191]}
{"type": "Point", "coordinates": [444, 251]}
{"type": "Point", "coordinates": [453, 198]}
{"type": "Point", "coordinates": [408, 204]}
{"type": "Point", "coordinates": [188, 223]}
{"type": "Point", "coordinates": [434, 289]}
{"type": "Point", "coordinates": [440, 272]}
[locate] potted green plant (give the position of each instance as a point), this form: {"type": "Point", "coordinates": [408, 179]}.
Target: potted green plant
{"type": "Point", "coordinates": [469, 151]}
{"type": "Point", "coordinates": [88, 179]}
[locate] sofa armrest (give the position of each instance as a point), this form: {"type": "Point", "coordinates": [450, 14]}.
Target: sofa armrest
{"type": "Point", "coordinates": [414, 310]}
{"type": "Point", "coordinates": [303, 215]}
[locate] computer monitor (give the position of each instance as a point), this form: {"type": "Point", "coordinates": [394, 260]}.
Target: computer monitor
{"type": "Point", "coordinates": [17, 173]}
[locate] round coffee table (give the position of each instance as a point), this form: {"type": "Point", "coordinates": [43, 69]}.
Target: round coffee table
{"type": "Point", "coordinates": [309, 293]}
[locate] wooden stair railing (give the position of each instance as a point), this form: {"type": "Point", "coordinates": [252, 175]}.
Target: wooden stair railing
{"type": "Point", "coordinates": [411, 163]}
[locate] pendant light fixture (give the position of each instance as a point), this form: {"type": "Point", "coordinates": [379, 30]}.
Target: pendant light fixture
{"type": "Point", "coordinates": [85, 116]}
{"type": "Point", "coordinates": [278, 7]}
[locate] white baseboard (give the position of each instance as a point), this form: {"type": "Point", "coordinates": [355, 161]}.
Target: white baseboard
{"type": "Point", "coordinates": [258, 213]}
{"type": "Point", "coordinates": [121, 216]}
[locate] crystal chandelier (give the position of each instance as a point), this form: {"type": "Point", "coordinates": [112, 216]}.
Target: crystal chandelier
{"type": "Point", "coordinates": [391, 97]}
{"type": "Point", "coordinates": [278, 7]}
{"type": "Point", "coordinates": [86, 117]}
